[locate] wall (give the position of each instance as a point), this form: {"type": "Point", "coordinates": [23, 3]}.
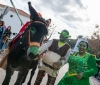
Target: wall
{"type": "Point", "coordinates": [14, 21]}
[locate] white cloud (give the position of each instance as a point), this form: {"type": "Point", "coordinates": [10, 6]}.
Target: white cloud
{"type": "Point", "coordinates": [78, 16]}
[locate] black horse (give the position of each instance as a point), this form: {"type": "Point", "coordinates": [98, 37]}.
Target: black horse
{"type": "Point", "coordinates": [32, 71]}
{"type": "Point", "coordinates": [24, 54]}
{"type": "Point", "coordinates": [44, 40]}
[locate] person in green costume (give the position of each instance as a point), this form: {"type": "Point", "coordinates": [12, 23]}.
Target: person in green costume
{"type": "Point", "coordinates": [82, 65]}
{"type": "Point", "coordinates": [58, 52]}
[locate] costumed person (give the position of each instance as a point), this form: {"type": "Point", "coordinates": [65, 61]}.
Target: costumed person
{"type": "Point", "coordinates": [56, 56]}
{"type": "Point", "coordinates": [82, 65]}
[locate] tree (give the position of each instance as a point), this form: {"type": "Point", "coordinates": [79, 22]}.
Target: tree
{"type": "Point", "coordinates": [94, 41]}
{"type": "Point", "coordinates": [51, 31]}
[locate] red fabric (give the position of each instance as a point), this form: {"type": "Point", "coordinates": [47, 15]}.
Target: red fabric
{"type": "Point", "coordinates": [40, 15]}
{"type": "Point", "coordinates": [18, 36]}
{"type": "Point", "coordinates": [14, 40]}
{"type": "Point", "coordinates": [43, 75]}
{"type": "Point", "coordinates": [24, 26]}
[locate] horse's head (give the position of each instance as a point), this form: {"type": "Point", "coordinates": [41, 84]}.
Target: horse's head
{"type": "Point", "coordinates": [38, 29]}
{"type": "Point", "coordinates": [30, 39]}
{"type": "Point", "coordinates": [34, 33]}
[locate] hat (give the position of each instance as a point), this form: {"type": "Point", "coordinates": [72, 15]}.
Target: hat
{"type": "Point", "coordinates": [65, 33]}
{"type": "Point", "coordinates": [31, 9]}
{"type": "Point", "coordinates": [39, 14]}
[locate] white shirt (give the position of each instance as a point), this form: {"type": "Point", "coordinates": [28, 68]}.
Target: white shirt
{"type": "Point", "coordinates": [45, 47]}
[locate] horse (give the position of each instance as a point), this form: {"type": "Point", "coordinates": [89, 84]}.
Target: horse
{"type": "Point", "coordinates": [18, 59]}
{"type": "Point", "coordinates": [45, 39]}
{"type": "Point", "coordinates": [24, 54]}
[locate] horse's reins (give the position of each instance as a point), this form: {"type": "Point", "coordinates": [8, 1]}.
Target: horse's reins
{"type": "Point", "coordinates": [33, 43]}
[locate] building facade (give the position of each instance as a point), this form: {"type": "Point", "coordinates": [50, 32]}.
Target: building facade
{"type": "Point", "coordinates": [11, 18]}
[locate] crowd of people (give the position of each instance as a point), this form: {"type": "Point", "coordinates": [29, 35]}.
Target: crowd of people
{"type": "Point", "coordinates": [5, 34]}
{"type": "Point", "coordinates": [53, 54]}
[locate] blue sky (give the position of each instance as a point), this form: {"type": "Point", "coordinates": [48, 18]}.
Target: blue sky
{"type": "Point", "coordinates": [77, 16]}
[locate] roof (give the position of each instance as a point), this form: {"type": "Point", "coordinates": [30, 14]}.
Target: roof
{"type": "Point", "coordinates": [19, 11]}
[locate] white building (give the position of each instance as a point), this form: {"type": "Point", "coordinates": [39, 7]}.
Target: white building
{"type": "Point", "coordinates": [11, 18]}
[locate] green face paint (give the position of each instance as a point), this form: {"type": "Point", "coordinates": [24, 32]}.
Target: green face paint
{"type": "Point", "coordinates": [82, 47]}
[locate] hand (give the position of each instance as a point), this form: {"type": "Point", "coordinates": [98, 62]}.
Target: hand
{"type": "Point", "coordinates": [57, 65]}
{"type": "Point", "coordinates": [40, 56]}
{"type": "Point", "coordinates": [79, 76]}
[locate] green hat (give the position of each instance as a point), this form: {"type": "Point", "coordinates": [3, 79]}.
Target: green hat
{"type": "Point", "coordinates": [65, 33]}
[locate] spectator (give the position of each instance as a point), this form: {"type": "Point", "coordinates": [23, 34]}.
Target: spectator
{"type": "Point", "coordinates": [1, 32]}
{"type": "Point", "coordinates": [1, 28]}
{"type": "Point", "coordinates": [7, 31]}
{"type": "Point", "coordinates": [5, 42]}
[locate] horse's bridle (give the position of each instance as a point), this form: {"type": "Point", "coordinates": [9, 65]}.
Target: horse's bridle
{"type": "Point", "coordinates": [32, 43]}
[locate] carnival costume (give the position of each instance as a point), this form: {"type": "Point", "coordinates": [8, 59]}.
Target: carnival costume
{"type": "Point", "coordinates": [56, 50]}
{"type": "Point", "coordinates": [77, 64]}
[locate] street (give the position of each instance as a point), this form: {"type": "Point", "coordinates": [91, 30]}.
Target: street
{"type": "Point", "coordinates": [13, 79]}
{"type": "Point", "coordinates": [61, 73]}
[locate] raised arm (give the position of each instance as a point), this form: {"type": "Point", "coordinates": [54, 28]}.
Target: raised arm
{"type": "Point", "coordinates": [45, 46]}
